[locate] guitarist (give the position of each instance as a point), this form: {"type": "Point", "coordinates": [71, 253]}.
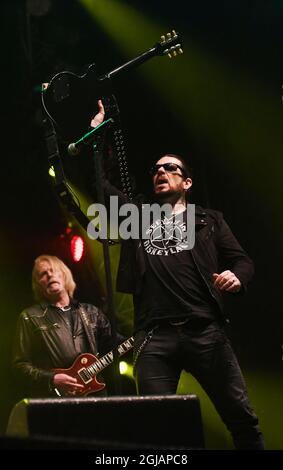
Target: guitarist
{"type": "Point", "coordinates": [55, 331]}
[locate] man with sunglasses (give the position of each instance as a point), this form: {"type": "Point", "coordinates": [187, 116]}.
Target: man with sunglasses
{"type": "Point", "coordinates": [178, 295]}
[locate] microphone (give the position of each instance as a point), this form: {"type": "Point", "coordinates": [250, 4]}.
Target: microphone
{"type": "Point", "coordinates": [75, 147]}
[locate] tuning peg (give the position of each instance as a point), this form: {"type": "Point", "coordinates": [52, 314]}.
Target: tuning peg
{"type": "Point", "coordinates": [169, 35]}
{"type": "Point", "coordinates": [175, 53]}
{"type": "Point", "coordinates": [169, 55]}
{"type": "Point", "coordinates": [174, 34]}
{"type": "Point", "coordinates": [163, 38]}
{"type": "Point", "coordinates": [180, 50]}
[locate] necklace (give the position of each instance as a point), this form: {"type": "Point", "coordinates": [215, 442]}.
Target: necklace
{"type": "Point", "coordinates": [66, 308]}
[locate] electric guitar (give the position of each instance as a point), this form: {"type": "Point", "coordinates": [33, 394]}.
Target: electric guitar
{"type": "Point", "coordinates": [70, 100]}
{"type": "Point", "coordinates": [87, 366]}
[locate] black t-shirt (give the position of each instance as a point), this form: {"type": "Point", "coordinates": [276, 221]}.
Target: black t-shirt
{"type": "Point", "coordinates": [172, 285]}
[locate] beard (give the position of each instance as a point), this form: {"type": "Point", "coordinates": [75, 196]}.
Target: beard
{"type": "Point", "coordinates": [170, 196]}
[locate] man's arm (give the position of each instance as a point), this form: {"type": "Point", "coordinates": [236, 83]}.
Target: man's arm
{"type": "Point", "coordinates": [99, 117]}
{"type": "Point", "coordinates": [109, 189]}
{"type": "Point", "coordinates": [240, 267]}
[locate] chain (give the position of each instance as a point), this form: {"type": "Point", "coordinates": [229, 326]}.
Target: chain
{"type": "Point", "coordinates": [141, 347]}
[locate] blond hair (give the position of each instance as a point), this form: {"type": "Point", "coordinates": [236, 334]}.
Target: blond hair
{"type": "Point", "coordinates": [57, 265]}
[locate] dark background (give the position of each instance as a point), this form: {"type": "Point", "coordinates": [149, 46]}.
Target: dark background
{"type": "Point", "coordinates": [233, 139]}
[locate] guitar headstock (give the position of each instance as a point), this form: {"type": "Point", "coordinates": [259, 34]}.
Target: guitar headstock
{"type": "Point", "coordinates": [170, 45]}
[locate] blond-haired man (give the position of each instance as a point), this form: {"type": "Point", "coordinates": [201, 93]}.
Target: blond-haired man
{"type": "Point", "coordinates": [54, 332]}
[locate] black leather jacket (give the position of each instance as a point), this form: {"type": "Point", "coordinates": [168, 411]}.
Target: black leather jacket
{"type": "Point", "coordinates": [216, 249]}
{"type": "Point", "coordinates": [44, 341]}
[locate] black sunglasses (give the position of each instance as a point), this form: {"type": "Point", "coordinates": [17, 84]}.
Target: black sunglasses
{"type": "Point", "coordinates": [170, 167]}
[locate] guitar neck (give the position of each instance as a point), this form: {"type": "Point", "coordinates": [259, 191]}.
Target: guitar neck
{"type": "Point", "coordinates": [108, 358]}
{"type": "Point", "coordinates": [131, 63]}
{"type": "Point", "coordinates": [169, 45]}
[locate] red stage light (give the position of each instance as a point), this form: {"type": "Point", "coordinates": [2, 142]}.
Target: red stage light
{"type": "Point", "coordinates": [77, 248]}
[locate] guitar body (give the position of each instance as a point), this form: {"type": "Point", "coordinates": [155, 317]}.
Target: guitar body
{"type": "Point", "coordinates": [86, 367]}
{"type": "Point", "coordinates": [91, 385]}
{"type": "Point", "coordinates": [70, 100]}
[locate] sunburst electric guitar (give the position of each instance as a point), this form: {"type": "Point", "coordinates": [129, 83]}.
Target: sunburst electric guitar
{"type": "Point", "coordinates": [87, 366]}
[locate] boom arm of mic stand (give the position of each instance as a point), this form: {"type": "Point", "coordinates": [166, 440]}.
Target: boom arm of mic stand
{"type": "Point", "coordinates": [87, 138]}
{"type": "Point", "coordinates": [75, 147]}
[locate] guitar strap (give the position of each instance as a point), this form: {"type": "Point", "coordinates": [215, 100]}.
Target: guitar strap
{"type": "Point", "coordinates": [123, 164]}
{"type": "Point", "coordinates": [88, 321]}
{"type": "Point", "coordinates": [118, 145]}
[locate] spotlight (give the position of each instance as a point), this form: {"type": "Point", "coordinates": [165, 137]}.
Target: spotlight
{"type": "Point", "coordinates": [77, 248]}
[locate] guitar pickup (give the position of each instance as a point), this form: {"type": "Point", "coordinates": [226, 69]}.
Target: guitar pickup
{"type": "Point", "coordinates": [85, 375]}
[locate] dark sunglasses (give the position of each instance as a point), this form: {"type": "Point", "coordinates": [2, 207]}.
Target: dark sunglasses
{"type": "Point", "coordinates": [170, 167]}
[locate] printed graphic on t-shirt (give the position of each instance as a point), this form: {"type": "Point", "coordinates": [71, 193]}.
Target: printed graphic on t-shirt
{"type": "Point", "coordinates": [167, 236]}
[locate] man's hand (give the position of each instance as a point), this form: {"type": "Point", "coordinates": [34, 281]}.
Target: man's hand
{"type": "Point", "coordinates": [66, 383]}
{"type": "Point", "coordinates": [99, 117]}
{"type": "Point", "coordinates": [227, 281]}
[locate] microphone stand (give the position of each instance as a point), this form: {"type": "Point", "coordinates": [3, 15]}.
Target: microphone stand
{"type": "Point", "coordinates": [98, 156]}
{"type": "Point", "coordinates": [88, 138]}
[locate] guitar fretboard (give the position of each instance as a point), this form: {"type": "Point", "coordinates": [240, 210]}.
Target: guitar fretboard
{"type": "Point", "coordinates": [90, 371]}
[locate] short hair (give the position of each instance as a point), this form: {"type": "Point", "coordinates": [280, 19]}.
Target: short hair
{"type": "Point", "coordinates": [58, 265]}
{"type": "Point", "coordinates": [186, 167]}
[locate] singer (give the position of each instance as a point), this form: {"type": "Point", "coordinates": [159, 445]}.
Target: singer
{"type": "Point", "coordinates": [179, 300]}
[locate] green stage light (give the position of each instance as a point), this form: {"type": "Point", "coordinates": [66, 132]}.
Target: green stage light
{"type": "Point", "coordinates": [51, 172]}
{"type": "Point", "coordinates": [126, 369]}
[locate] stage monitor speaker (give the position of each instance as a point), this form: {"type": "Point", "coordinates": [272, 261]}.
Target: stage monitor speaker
{"type": "Point", "coordinates": [157, 421]}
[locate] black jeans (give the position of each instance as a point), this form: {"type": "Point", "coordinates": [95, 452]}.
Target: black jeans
{"type": "Point", "coordinates": [203, 350]}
